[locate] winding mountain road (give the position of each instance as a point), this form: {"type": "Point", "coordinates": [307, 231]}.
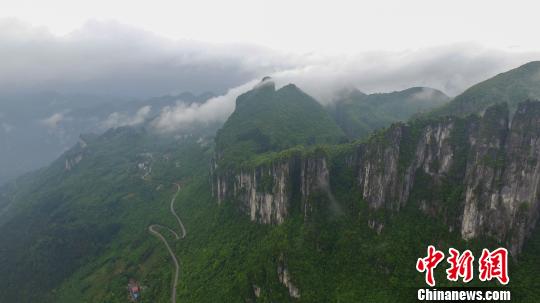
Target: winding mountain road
{"type": "Point", "coordinates": [152, 229]}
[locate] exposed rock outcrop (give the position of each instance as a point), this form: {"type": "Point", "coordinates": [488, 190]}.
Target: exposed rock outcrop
{"type": "Point", "coordinates": [314, 177]}
{"type": "Point", "coordinates": [72, 162]}
{"type": "Point", "coordinates": [256, 291]}
{"type": "Point", "coordinates": [76, 155]}
{"type": "Point", "coordinates": [490, 167]}
{"type": "Point", "coordinates": [483, 172]}
{"type": "Point", "coordinates": [503, 176]}
{"type": "Point", "coordinates": [519, 185]}
{"type": "Point", "coordinates": [285, 279]}
{"type": "Point", "coordinates": [265, 192]}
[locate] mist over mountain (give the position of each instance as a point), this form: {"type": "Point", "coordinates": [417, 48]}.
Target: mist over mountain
{"type": "Point", "coordinates": [35, 128]}
{"type": "Point", "coordinates": [111, 58]}
{"type": "Point", "coordinates": [277, 197]}
{"type": "Point", "coordinates": [359, 114]}
{"type": "Point", "coordinates": [253, 151]}
{"type": "Point", "coordinates": [520, 83]}
{"type": "Point", "coordinates": [107, 58]}
{"type": "Point", "coordinates": [266, 119]}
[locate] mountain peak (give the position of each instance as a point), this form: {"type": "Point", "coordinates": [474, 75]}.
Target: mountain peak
{"type": "Point", "coordinates": [348, 92]}
{"type": "Point", "coordinates": [359, 114]}
{"type": "Point", "coordinates": [290, 86]}
{"type": "Point", "coordinates": [533, 64]}
{"type": "Point", "coordinates": [291, 89]}
{"type": "Point", "coordinates": [512, 87]}
{"type": "Point", "coordinates": [266, 82]}
{"type": "Point", "coordinates": [267, 120]}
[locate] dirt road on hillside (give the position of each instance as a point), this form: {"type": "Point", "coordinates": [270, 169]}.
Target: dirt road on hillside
{"type": "Point", "coordinates": [153, 230]}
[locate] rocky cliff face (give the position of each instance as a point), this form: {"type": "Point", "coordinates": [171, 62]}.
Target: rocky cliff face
{"type": "Point", "coordinates": [76, 155]}
{"type": "Point", "coordinates": [480, 175]}
{"type": "Point", "coordinates": [503, 175]}
{"type": "Point", "coordinates": [262, 191]}
{"type": "Point", "coordinates": [386, 169]}
{"type": "Point", "coordinates": [483, 174]}
{"type": "Point", "coordinates": [266, 192]}
{"type": "Point", "coordinates": [285, 278]}
{"type": "Point", "coordinates": [518, 190]}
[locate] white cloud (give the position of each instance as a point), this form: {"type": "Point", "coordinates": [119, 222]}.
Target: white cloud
{"type": "Point", "coordinates": [117, 59]}
{"type": "Point", "coordinates": [424, 95]}
{"type": "Point", "coordinates": [108, 57]}
{"type": "Point", "coordinates": [450, 69]}
{"type": "Point", "coordinates": [216, 109]}
{"type": "Point", "coordinates": [113, 58]}
{"type": "Point", "coordinates": [122, 119]}
{"type": "Point", "coordinates": [304, 25]}
{"type": "Point", "coordinates": [53, 121]}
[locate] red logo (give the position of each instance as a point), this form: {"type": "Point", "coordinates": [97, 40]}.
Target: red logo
{"type": "Point", "coordinates": [429, 263]}
{"type": "Point", "coordinates": [494, 265]}
{"type": "Point", "coordinates": [490, 265]}
{"type": "Point", "coordinates": [460, 265]}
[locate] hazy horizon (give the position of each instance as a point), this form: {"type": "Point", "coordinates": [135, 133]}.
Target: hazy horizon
{"type": "Point", "coordinates": [101, 54]}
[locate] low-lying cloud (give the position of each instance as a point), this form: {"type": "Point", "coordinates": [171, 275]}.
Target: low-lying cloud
{"type": "Point", "coordinates": [110, 58]}
{"type": "Point", "coordinates": [424, 94]}
{"type": "Point", "coordinates": [53, 121]}
{"type": "Point", "coordinates": [451, 69]}
{"type": "Point", "coordinates": [114, 59]}
{"type": "Point", "coordinates": [216, 109]}
{"type": "Point", "coordinates": [117, 119]}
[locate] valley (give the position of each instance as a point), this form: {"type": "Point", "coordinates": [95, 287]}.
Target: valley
{"type": "Point", "coordinates": [152, 229]}
{"type": "Point", "coordinates": [288, 201]}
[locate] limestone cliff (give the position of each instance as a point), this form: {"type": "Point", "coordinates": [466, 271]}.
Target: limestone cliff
{"type": "Point", "coordinates": [75, 155]}
{"type": "Point", "coordinates": [479, 175]}
{"type": "Point", "coordinates": [266, 192]}
{"type": "Point", "coordinates": [285, 278]}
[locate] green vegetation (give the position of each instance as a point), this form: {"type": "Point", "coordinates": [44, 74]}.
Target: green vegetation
{"type": "Point", "coordinates": [269, 120]}
{"type": "Point", "coordinates": [81, 234]}
{"type": "Point", "coordinates": [269, 158]}
{"type": "Point", "coordinates": [89, 223]}
{"type": "Point", "coordinates": [512, 87]}
{"type": "Point", "coordinates": [359, 114]}
{"type": "Point", "coordinates": [331, 258]}
{"type": "Point", "coordinates": [77, 230]}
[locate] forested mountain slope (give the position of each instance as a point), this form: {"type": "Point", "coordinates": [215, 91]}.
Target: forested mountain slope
{"type": "Point", "coordinates": [359, 114]}
{"type": "Point", "coordinates": [512, 87]}
{"type": "Point", "coordinates": [273, 215]}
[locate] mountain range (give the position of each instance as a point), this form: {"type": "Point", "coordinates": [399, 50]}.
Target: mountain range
{"type": "Point", "coordinates": [37, 128]}
{"type": "Point", "coordinates": [289, 201]}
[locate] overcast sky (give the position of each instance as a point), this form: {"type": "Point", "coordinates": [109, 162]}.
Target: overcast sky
{"type": "Point", "coordinates": [148, 48]}
{"type": "Point", "coordinates": [304, 25]}
{"type": "Point", "coordinates": [145, 48]}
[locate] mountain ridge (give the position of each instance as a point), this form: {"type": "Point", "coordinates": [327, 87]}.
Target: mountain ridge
{"type": "Point", "coordinates": [359, 114]}
{"type": "Point", "coordinates": [298, 220]}
{"type": "Point", "coordinates": [266, 119]}
{"type": "Point", "coordinates": [513, 86]}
